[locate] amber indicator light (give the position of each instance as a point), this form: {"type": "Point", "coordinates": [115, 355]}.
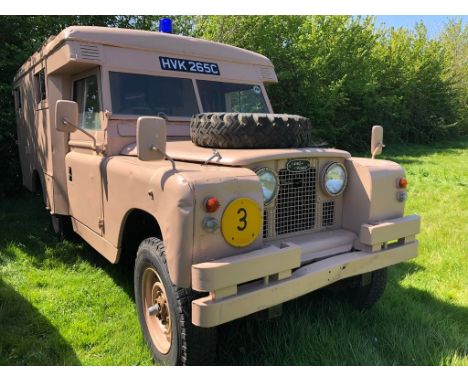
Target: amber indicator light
{"type": "Point", "coordinates": [402, 183]}
{"type": "Point", "coordinates": [212, 204]}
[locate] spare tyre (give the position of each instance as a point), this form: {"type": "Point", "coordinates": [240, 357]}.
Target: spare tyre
{"type": "Point", "coordinates": [250, 131]}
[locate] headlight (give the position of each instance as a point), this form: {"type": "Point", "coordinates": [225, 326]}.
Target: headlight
{"type": "Point", "coordinates": [334, 179]}
{"type": "Point", "coordinates": [269, 183]}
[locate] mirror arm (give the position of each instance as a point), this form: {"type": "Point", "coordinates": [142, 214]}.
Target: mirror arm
{"type": "Point", "coordinates": [67, 122]}
{"type": "Point", "coordinates": [163, 116]}
{"type": "Point", "coordinates": [167, 157]}
{"type": "Point", "coordinates": [380, 146]}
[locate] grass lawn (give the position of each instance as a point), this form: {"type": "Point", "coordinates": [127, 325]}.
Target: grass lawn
{"type": "Point", "coordinates": [63, 304]}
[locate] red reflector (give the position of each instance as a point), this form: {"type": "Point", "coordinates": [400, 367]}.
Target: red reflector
{"type": "Point", "coordinates": [402, 183]}
{"type": "Point", "coordinates": [212, 204]}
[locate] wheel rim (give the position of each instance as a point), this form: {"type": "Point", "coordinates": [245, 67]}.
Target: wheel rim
{"type": "Point", "coordinates": [156, 310]}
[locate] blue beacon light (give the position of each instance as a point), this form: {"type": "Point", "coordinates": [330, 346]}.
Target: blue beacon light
{"type": "Point", "coordinates": [165, 25]}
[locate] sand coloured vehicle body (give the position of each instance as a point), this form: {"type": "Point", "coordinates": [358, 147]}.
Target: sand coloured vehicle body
{"type": "Point", "coordinates": [111, 126]}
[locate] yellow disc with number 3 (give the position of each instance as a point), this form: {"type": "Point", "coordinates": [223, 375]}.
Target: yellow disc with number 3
{"type": "Point", "coordinates": [241, 222]}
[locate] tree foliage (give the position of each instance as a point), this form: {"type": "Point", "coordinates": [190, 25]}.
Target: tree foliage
{"type": "Point", "coordinates": [342, 72]}
{"type": "Point", "coordinates": [347, 75]}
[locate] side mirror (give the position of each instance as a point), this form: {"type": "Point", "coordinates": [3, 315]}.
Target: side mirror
{"type": "Point", "coordinates": [66, 116]}
{"type": "Point", "coordinates": [377, 141]}
{"type": "Point", "coordinates": [151, 138]}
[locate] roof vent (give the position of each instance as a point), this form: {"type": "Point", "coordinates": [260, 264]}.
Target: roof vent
{"type": "Point", "coordinates": [90, 52]}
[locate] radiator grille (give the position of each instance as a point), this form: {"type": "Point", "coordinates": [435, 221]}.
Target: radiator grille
{"type": "Point", "coordinates": [295, 206]}
{"type": "Point", "coordinates": [328, 214]}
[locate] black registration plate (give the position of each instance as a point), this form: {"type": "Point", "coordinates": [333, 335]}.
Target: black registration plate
{"type": "Point", "coordinates": [191, 66]}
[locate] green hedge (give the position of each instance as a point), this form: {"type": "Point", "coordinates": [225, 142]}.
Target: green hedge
{"type": "Point", "coordinates": [342, 72]}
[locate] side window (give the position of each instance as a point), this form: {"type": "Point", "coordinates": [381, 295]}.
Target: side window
{"type": "Point", "coordinates": [40, 86]}
{"type": "Point", "coordinates": [86, 94]}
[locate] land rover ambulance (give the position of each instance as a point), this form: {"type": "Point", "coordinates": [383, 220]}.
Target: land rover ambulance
{"type": "Point", "coordinates": [164, 151]}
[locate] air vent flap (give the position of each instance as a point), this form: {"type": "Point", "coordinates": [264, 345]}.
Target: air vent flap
{"type": "Point", "coordinates": [90, 52]}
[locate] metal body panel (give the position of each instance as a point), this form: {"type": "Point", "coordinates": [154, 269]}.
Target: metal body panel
{"type": "Point", "coordinates": [175, 199]}
{"type": "Point", "coordinates": [147, 41]}
{"type": "Point", "coordinates": [186, 150]}
{"type": "Point", "coordinates": [84, 184]}
{"type": "Point", "coordinates": [389, 229]}
{"type": "Point", "coordinates": [223, 273]}
{"type": "Point", "coordinates": [96, 241]}
{"type": "Point", "coordinates": [371, 193]}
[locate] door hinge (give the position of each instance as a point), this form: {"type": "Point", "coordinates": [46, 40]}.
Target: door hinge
{"type": "Point", "coordinates": [101, 225]}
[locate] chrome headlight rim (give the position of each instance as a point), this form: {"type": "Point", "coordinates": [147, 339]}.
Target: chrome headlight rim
{"type": "Point", "coordinates": [327, 167]}
{"type": "Point", "coordinates": [260, 172]}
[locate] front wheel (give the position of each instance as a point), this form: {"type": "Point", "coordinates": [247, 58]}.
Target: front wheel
{"type": "Point", "coordinates": [164, 312]}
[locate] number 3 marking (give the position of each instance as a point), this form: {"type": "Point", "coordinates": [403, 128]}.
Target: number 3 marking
{"type": "Point", "coordinates": [243, 219]}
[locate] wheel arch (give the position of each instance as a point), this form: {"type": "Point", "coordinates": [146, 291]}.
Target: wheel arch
{"type": "Point", "coordinates": [137, 225]}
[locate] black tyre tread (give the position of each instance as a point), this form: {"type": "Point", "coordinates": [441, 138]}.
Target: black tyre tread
{"type": "Point", "coordinates": [250, 130]}
{"type": "Point", "coordinates": [364, 297]}
{"type": "Point", "coordinates": [197, 345]}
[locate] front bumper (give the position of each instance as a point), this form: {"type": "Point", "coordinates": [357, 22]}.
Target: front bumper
{"type": "Point", "coordinates": [244, 284]}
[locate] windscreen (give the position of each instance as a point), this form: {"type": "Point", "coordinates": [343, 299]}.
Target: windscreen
{"type": "Point", "coordinates": [139, 94]}
{"type": "Point", "coordinates": [228, 97]}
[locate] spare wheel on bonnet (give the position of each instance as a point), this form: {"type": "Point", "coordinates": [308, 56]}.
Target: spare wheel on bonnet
{"type": "Point", "coordinates": [250, 130]}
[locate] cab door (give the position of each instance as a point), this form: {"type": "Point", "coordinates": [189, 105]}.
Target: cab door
{"type": "Point", "coordinates": [83, 163]}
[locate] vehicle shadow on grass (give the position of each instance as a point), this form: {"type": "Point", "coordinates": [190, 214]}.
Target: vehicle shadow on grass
{"type": "Point", "coordinates": [26, 336]}
{"type": "Point", "coordinates": [406, 327]}
{"type": "Point", "coordinates": [27, 242]}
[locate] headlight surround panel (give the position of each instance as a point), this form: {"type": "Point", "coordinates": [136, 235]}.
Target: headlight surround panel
{"type": "Point", "coordinates": [270, 184]}
{"type": "Point", "coordinates": [334, 179]}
